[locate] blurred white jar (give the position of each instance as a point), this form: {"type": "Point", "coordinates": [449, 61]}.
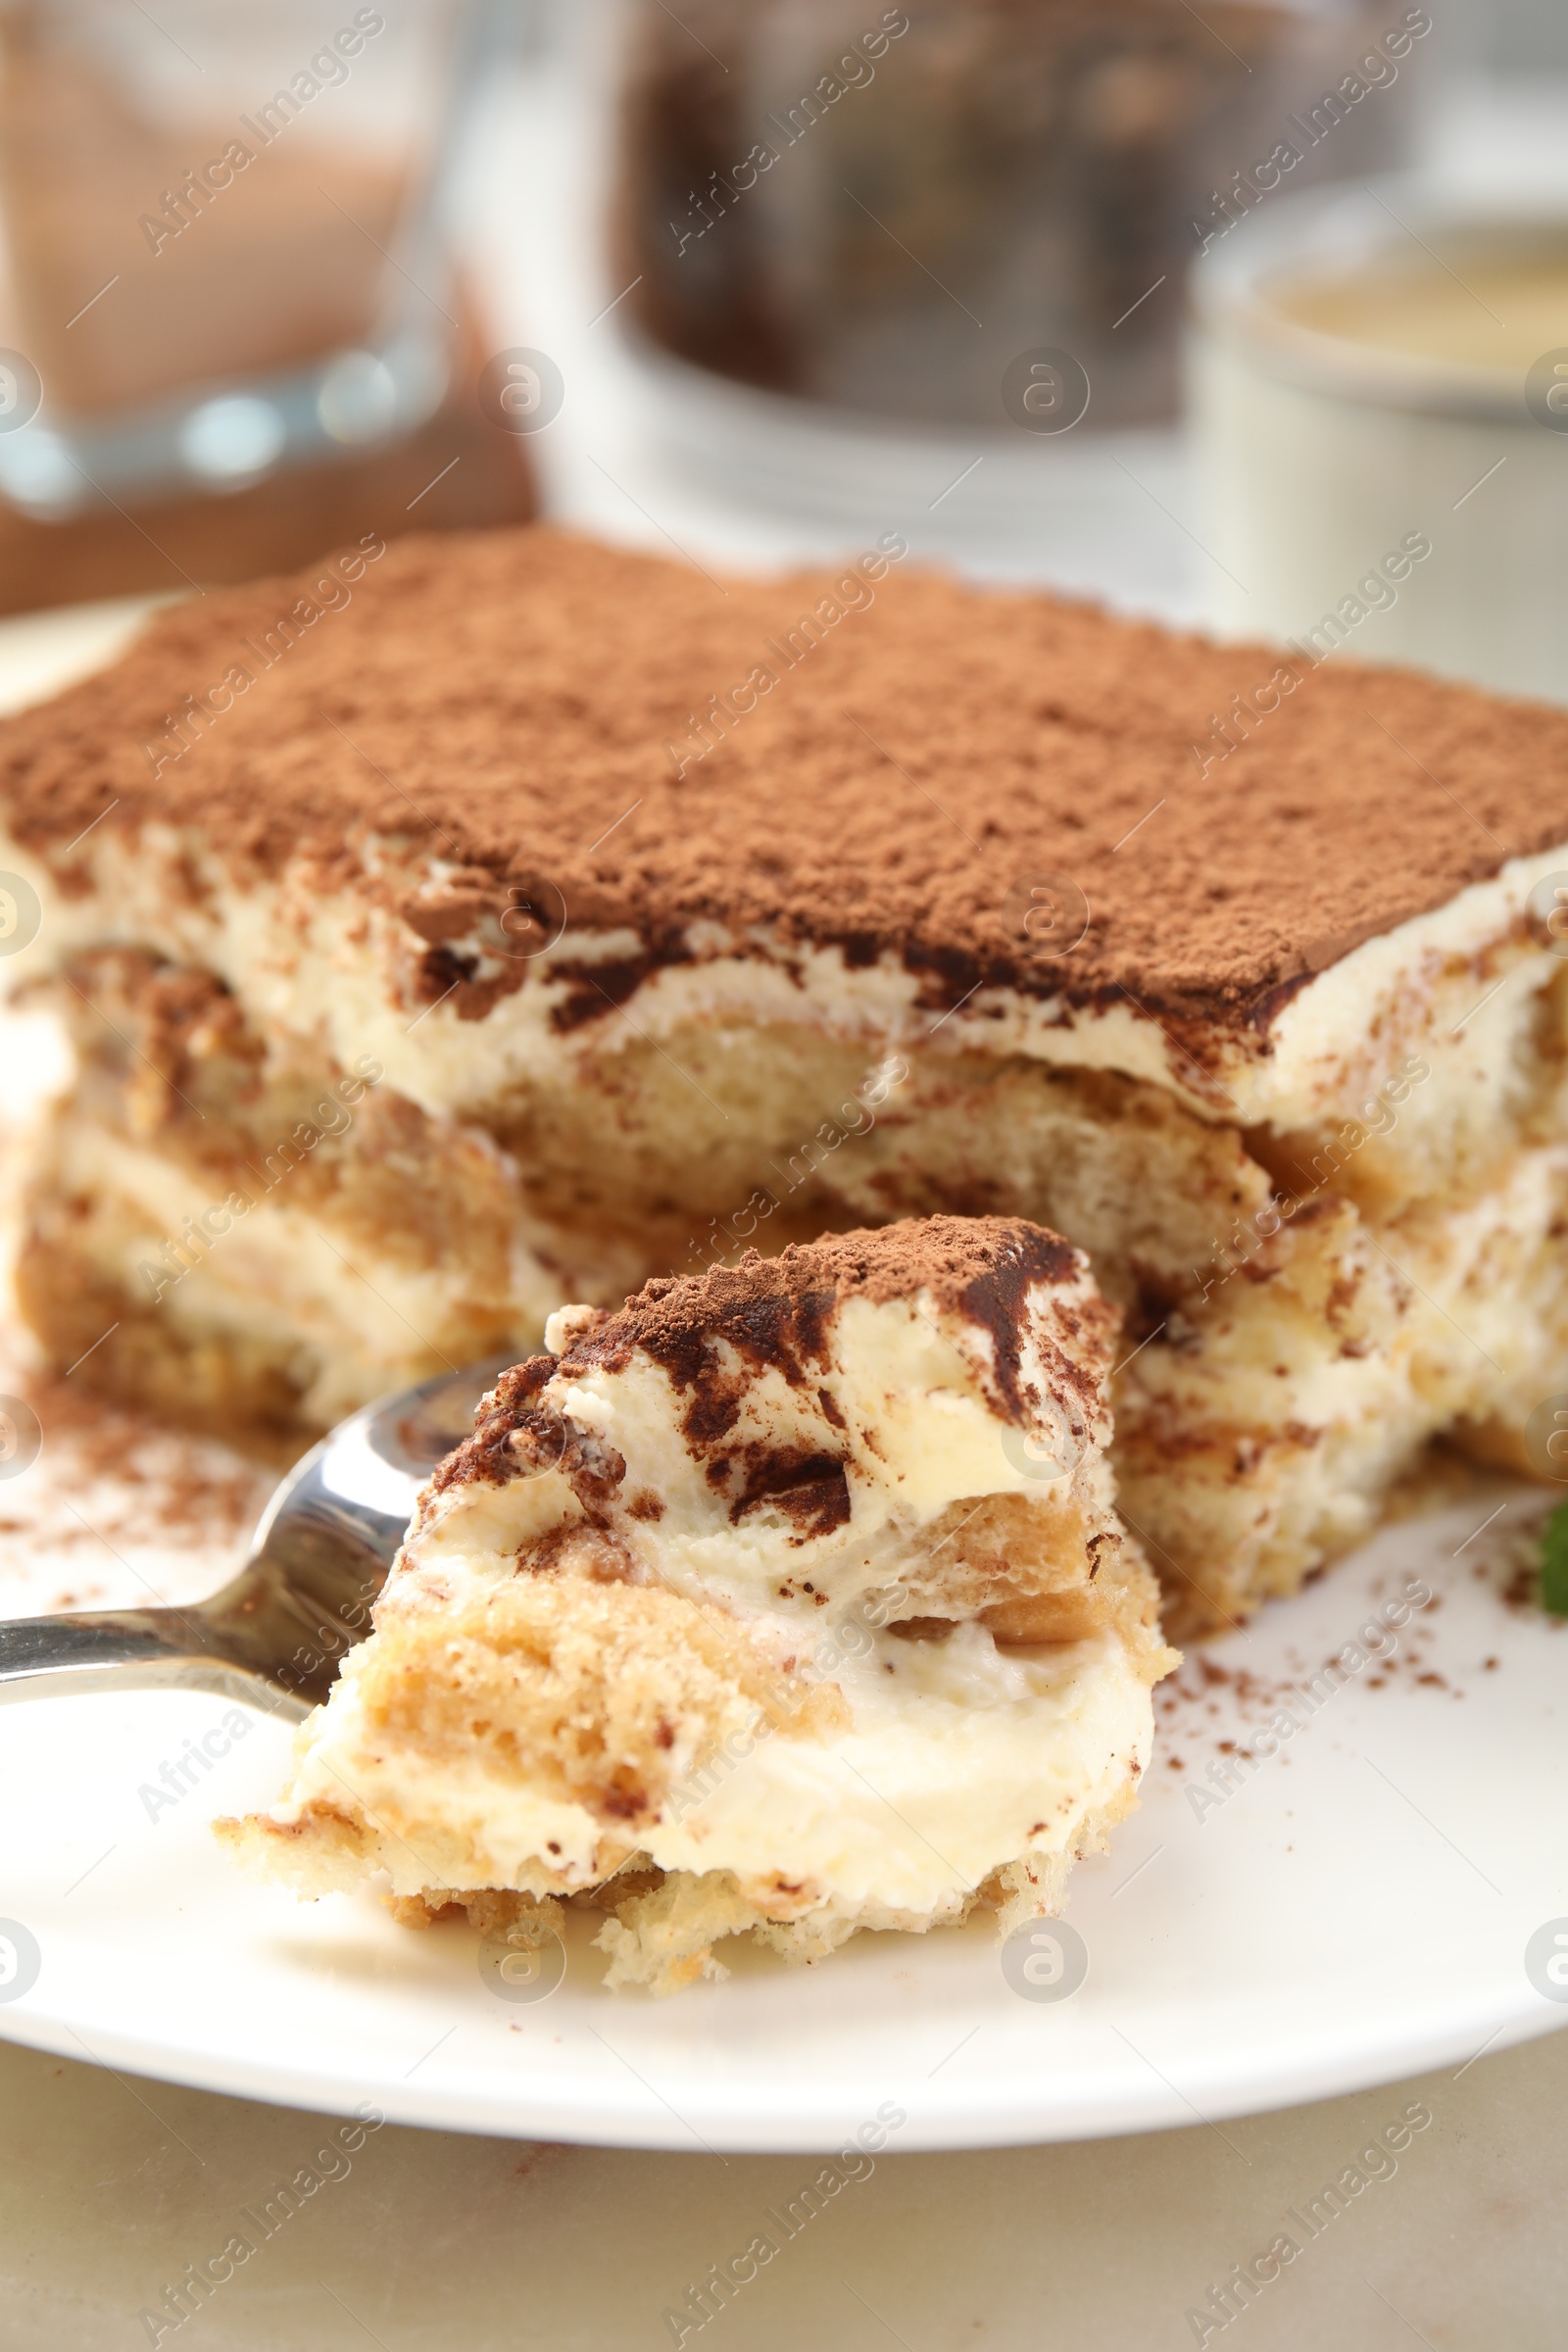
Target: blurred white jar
{"type": "Point", "coordinates": [1380, 412]}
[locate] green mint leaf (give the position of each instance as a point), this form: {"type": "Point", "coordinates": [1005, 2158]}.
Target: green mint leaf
{"type": "Point", "coordinates": [1555, 1563]}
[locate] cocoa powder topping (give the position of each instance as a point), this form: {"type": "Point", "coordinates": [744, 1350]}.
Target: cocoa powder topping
{"type": "Point", "coordinates": [892, 763]}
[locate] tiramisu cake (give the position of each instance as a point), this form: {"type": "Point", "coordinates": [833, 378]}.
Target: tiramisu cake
{"type": "Point", "coordinates": [789, 1598]}
{"type": "Point", "coordinates": [526, 919]}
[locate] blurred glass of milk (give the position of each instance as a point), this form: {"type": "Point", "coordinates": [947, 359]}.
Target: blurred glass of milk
{"type": "Point", "coordinates": [1380, 392]}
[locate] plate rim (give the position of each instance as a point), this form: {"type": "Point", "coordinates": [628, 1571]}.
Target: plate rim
{"type": "Point", "coordinates": [584, 2115]}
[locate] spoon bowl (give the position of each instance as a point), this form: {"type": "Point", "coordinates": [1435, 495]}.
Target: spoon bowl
{"type": "Point", "coordinates": [273, 1636]}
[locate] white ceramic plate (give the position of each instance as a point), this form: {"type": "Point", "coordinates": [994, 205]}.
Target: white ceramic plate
{"type": "Point", "coordinates": [1358, 1911]}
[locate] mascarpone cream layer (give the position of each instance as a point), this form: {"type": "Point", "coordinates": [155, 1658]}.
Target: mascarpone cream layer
{"type": "Point", "coordinates": [336, 971]}
{"type": "Point", "coordinates": [958, 1763]}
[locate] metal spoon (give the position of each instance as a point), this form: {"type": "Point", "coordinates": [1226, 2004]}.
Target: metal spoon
{"type": "Point", "coordinates": [273, 1636]}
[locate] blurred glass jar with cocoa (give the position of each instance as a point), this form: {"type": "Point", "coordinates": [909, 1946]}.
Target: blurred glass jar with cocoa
{"type": "Point", "coordinates": [224, 252]}
{"type": "Point", "coordinates": [880, 210]}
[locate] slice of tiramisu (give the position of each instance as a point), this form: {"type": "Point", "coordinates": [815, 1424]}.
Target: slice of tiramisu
{"type": "Point", "coordinates": [515, 919]}
{"type": "Point", "coordinates": [790, 1598]}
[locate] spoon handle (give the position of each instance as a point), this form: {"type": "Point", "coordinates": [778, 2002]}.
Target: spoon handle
{"type": "Point", "coordinates": [129, 1649]}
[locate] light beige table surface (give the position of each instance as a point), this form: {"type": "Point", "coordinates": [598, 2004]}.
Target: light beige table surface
{"type": "Point", "coordinates": [111, 2185]}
